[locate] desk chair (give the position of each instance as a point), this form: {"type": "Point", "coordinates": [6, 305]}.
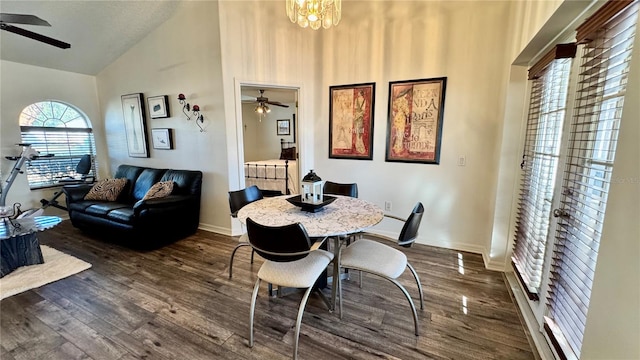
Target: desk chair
{"type": "Point", "coordinates": [237, 200]}
{"type": "Point", "coordinates": [379, 259]}
{"type": "Point", "coordinates": [290, 261]}
{"type": "Point", "coordinates": [83, 168]}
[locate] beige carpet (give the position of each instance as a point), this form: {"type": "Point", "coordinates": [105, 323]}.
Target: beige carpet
{"type": "Point", "coordinates": [57, 265]}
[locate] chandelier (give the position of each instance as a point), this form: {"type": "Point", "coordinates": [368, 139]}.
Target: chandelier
{"type": "Point", "coordinates": [314, 13]}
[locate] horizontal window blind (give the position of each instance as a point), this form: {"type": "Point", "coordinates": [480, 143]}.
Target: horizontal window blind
{"type": "Point", "coordinates": [592, 143]}
{"type": "Point", "coordinates": [67, 145]}
{"type": "Point", "coordinates": [540, 159]}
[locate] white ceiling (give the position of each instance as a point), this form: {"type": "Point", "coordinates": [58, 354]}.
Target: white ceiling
{"type": "Point", "coordinates": [98, 31]}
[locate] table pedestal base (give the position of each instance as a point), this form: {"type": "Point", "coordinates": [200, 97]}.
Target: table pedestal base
{"type": "Point", "coordinates": [19, 251]}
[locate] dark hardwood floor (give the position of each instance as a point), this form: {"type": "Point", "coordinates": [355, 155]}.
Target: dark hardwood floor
{"type": "Point", "coordinates": [178, 303]}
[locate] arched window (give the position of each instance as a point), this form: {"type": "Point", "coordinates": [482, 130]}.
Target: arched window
{"type": "Point", "coordinates": [59, 129]}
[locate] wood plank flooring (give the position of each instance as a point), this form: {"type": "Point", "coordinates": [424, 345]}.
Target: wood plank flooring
{"type": "Point", "coordinates": [178, 303]}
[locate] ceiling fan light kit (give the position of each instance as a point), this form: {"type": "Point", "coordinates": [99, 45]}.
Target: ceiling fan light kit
{"type": "Point", "coordinates": [314, 13]}
{"type": "Point", "coordinates": [262, 108]}
{"type": "Point", "coordinates": [25, 19]}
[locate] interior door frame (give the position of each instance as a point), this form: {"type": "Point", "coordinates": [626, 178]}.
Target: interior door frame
{"type": "Point", "coordinates": [239, 128]}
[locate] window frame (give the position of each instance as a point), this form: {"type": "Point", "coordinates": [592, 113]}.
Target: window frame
{"type": "Point", "coordinates": [45, 125]}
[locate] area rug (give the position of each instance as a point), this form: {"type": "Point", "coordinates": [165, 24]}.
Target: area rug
{"type": "Point", "coordinates": [57, 265]}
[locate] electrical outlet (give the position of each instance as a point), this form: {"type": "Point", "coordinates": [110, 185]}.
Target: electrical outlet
{"type": "Point", "coordinates": [387, 206]}
{"type": "Point", "coordinates": [462, 160]}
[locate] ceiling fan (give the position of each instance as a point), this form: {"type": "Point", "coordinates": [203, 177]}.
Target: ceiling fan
{"type": "Point", "coordinates": [263, 101]}
{"type": "Point", "coordinates": [6, 19]}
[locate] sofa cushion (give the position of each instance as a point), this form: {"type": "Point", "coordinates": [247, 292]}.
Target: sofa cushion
{"type": "Point", "coordinates": [159, 190]}
{"type": "Point", "coordinates": [187, 182]}
{"type": "Point", "coordinates": [123, 215]}
{"type": "Point", "coordinates": [130, 172]}
{"type": "Point", "coordinates": [143, 183]}
{"type": "Point", "coordinates": [103, 208]}
{"type": "Point", "coordinates": [106, 190]}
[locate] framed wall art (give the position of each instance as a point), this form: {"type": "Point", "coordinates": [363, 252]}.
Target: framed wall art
{"type": "Point", "coordinates": [158, 106]}
{"type": "Point", "coordinates": [162, 139]}
{"type": "Point", "coordinates": [283, 127]}
{"type": "Point", "coordinates": [351, 121]}
{"type": "Point", "coordinates": [135, 125]}
{"type": "Point", "coordinates": [414, 128]}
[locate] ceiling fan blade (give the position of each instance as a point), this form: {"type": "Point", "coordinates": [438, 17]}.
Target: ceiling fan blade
{"type": "Point", "coordinates": [23, 19]}
{"type": "Point", "coordinates": [277, 104]}
{"type": "Point", "coordinates": [34, 36]}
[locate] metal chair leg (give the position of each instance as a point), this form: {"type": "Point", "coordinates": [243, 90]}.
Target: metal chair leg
{"type": "Point", "coordinates": [413, 307]}
{"type": "Point", "coordinates": [252, 253]}
{"type": "Point", "coordinates": [254, 296]}
{"type": "Point", "coordinates": [233, 253]}
{"type": "Point", "coordinates": [415, 275]}
{"type": "Point", "coordinates": [339, 286]}
{"type": "Point", "coordinates": [303, 303]}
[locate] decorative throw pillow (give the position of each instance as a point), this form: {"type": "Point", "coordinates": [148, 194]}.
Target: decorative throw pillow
{"type": "Point", "coordinates": [288, 153]}
{"type": "Point", "coordinates": [106, 190]}
{"type": "Point", "coordinates": [159, 190]}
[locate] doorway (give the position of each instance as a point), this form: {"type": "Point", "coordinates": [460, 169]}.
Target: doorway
{"type": "Point", "coordinates": [268, 145]}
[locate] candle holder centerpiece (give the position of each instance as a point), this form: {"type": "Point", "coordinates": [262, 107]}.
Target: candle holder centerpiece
{"type": "Point", "coordinates": [311, 198]}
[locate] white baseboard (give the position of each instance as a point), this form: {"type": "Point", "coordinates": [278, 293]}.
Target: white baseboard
{"type": "Point", "coordinates": [539, 342]}
{"type": "Point", "coordinates": [215, 229]}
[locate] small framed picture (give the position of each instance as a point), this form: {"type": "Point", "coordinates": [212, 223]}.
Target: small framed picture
{"type": "Point", "coordinates": [162, 139]}
{"type": "Point", "coordinates": [283, 127]}
{"type": "Point", "coordinates": [158, 106]}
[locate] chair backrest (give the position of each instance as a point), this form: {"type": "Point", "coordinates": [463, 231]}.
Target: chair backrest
{"type": "Point", "coordinates": [279, 243]}
{"type": "Point", "coordinates": [340, 189]}
{"type": "Point", "coordinates": [84, 165]}
{"type": "Point", "coordinates": [240, 198]}
{"type": "Point", "coordinates": [409, 231]}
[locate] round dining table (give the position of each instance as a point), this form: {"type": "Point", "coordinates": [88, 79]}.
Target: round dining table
{"type": "Point", "coordinates": [344, 216]}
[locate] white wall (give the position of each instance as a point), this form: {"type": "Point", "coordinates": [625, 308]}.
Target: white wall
{"type": "Point", "coordinates": [414, 41]}
{"type": "Point", "coordinates": [180, 56]}
{"type": "Point", "coordinates": [22, 85]}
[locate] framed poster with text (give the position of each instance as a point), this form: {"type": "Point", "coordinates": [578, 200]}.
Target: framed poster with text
{"type": "Point", "coordinates": [414, 127]}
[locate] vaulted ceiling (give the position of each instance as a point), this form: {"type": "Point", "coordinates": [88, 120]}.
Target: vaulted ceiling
{"type": "Point", "coordinates": [98, 31]}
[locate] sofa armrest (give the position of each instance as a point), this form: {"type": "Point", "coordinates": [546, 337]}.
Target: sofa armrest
{"type": "Point", "coordinates": [76, 192]}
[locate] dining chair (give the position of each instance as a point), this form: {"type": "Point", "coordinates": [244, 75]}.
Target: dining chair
{"type": "Point", "coordinates": [290, 261]}
{"type": "Point", "coordinates": [383, 260]}
{"type": "Point", "coordinates": [237, 200]}
{"type": "Point", "coordinates": [334, 188]}
{"type": "Point", "coordinates": [340, 189]}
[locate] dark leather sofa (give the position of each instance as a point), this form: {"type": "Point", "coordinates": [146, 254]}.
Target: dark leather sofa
{"type": "Point", "coordinates": [140, 223]}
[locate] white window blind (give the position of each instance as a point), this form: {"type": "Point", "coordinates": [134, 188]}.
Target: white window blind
{"type": "Point", "coordinates": [57, 129]}
{"type": "Point", "coordinates": [540, 160]}
{"type": "Point", "coordinates": [592, 143]}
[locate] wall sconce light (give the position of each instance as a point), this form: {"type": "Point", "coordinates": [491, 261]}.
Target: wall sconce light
{"type": "Point", "coordinates": [185, 105]}
{"type": "Point", "coordinates": [199, 117]}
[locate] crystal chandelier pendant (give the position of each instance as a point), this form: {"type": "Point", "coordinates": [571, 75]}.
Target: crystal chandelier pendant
{"type": "Point", "coordinates": [314, 13]}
